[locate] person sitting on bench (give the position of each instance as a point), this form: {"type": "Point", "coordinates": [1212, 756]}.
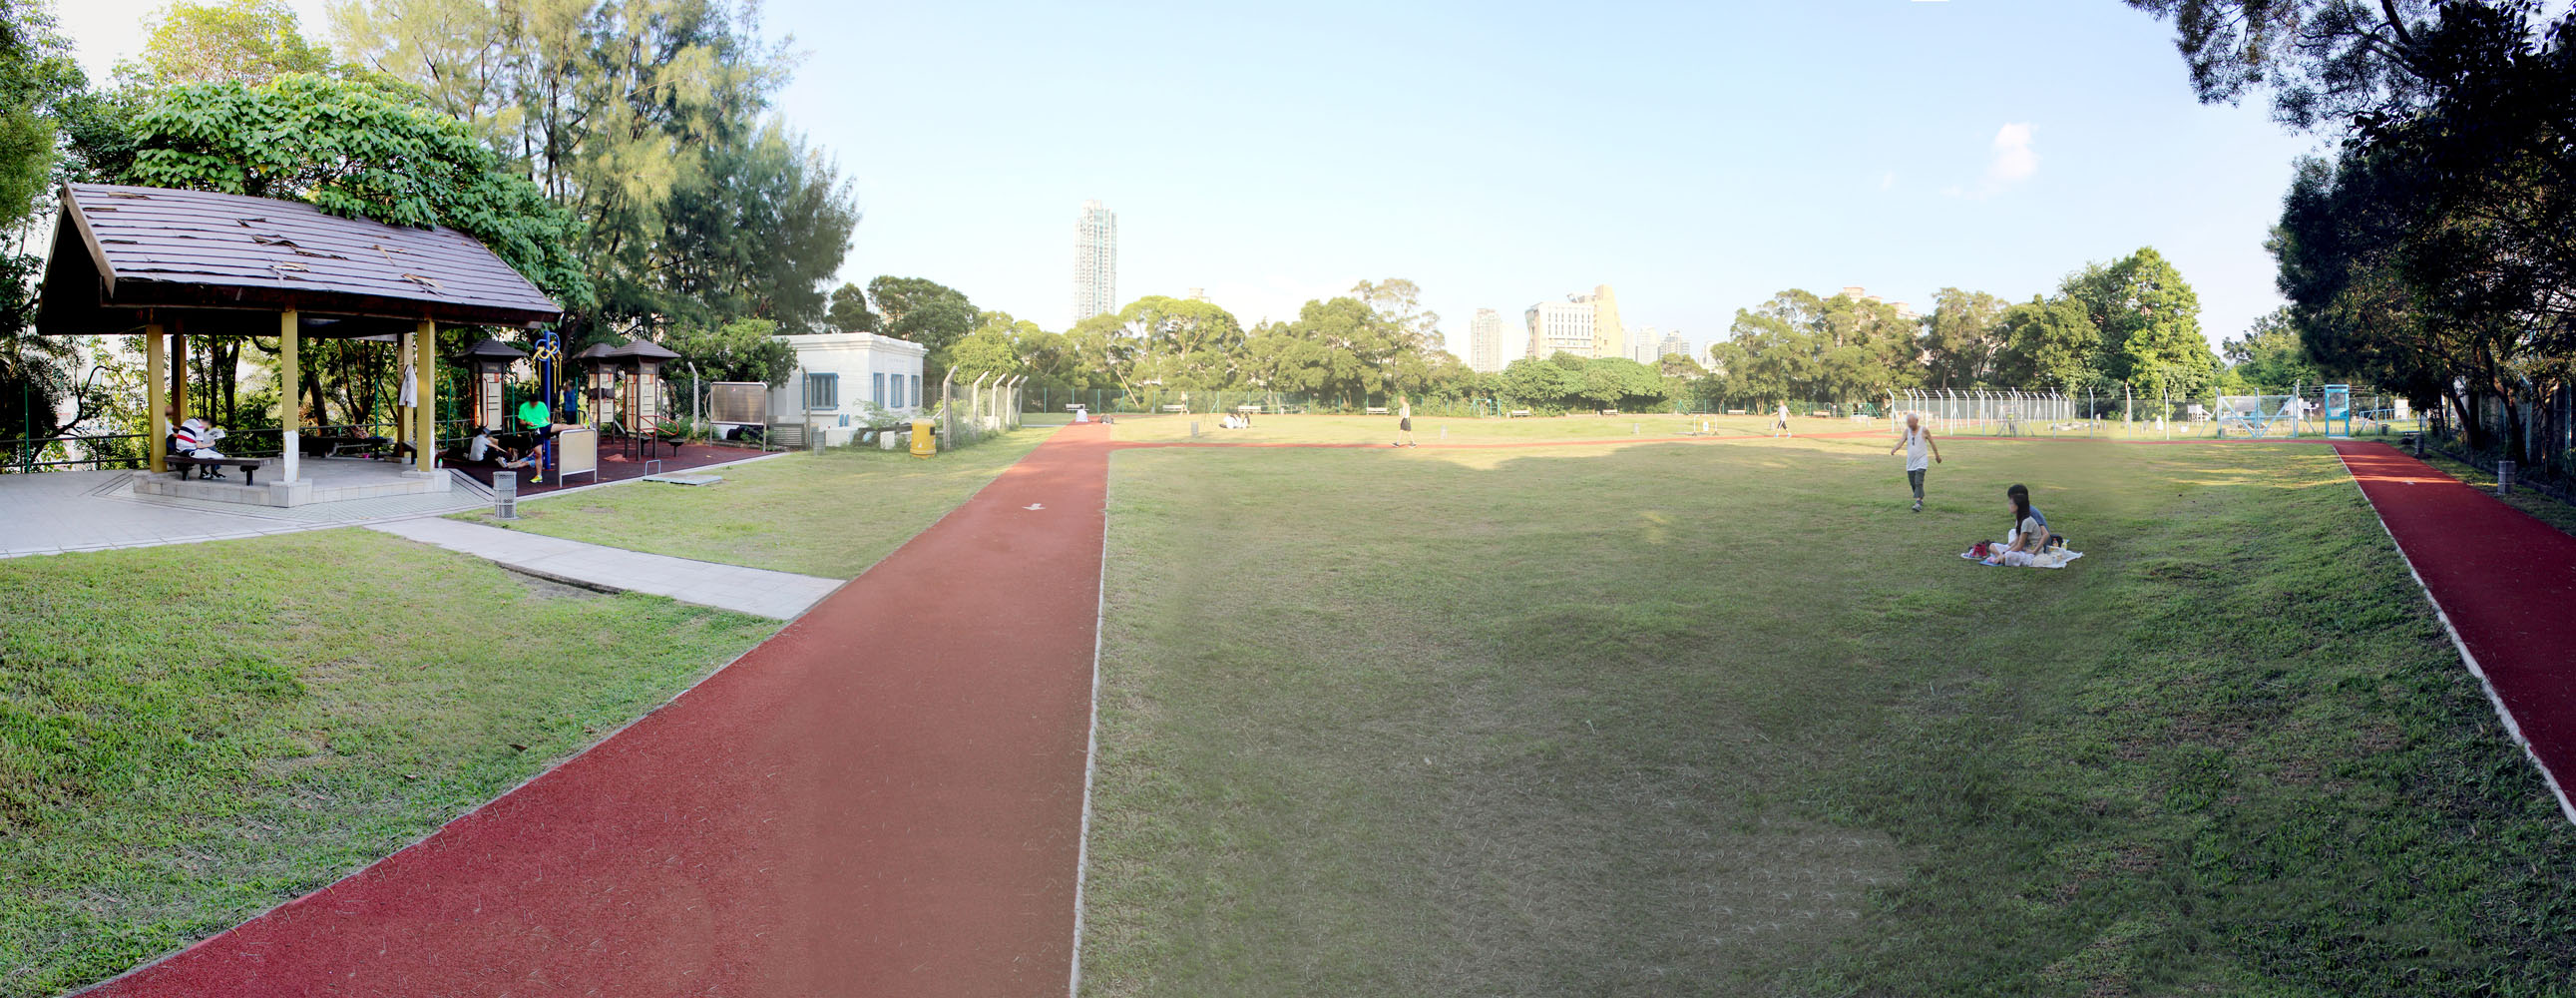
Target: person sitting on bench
{"type": "Point", "coordinates": [196, 438]}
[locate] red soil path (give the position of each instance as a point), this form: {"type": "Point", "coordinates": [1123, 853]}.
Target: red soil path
{"type": "Point", "coordinates": [884, 799]}
{"type": "Point", "coordinates": [2505, 584]}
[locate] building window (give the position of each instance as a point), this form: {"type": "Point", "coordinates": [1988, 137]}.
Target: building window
{"type": "Point", "coordinates": [916, 391]}
{"type": "Point", "coordinates": [877, 391]}
{"type": "Point", "coordinates": [822, 391]}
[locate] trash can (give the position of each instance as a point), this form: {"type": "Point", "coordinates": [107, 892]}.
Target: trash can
{"type": "Point", "coordinates": [923, 445]}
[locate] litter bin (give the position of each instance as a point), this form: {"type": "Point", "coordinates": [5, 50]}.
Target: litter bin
{"type": "Point", "coordinates": [922, 443]}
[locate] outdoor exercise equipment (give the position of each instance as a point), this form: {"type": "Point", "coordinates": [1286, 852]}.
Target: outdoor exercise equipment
{"type": "Point", "coordinates": [2338, 408]}
{"type": "Point", "coordinates": [549, 352]}
{"type": "Point", "coordinates": [2254, 416]}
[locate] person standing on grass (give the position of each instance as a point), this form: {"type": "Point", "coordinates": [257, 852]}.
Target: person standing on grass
{"type": "Point", "coordinates": [1780, 421]}
{"type": "Point", "coordinates": [1404, 425]}
{"type": "Point", "coordinates": [1920, 452]}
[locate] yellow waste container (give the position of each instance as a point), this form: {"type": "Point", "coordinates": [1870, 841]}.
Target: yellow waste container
{"type": "Point", "coordinates": [923, 444]}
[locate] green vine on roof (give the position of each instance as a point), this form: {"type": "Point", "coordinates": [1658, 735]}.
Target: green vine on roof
{"type": "Point", "coordinates": [359, 149]}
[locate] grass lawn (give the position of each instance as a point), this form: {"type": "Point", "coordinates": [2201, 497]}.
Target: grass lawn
{"type": "Point", "coordinates": [1727, 719]}
{"type": "Point", "coordinates": [190, 735]}
{"type": "Point", "coordinates": [829, 515]}
{"type": "Point", "coordinates": [1427, 429]}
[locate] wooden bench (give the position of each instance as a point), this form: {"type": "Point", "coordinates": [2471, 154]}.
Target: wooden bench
{"type": "Point", "coordinates": [249, 465]}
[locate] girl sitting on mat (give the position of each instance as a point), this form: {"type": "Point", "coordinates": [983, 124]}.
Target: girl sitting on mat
{"type": "Point", "coordinates": [2030, 533]}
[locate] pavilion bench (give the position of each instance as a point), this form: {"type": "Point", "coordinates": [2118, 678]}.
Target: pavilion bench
{"type": "Point", "coordinates": [249, 465]}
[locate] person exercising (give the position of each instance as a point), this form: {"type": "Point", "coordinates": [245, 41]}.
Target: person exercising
{"type": "Point", "coordinates": [1920, 453]}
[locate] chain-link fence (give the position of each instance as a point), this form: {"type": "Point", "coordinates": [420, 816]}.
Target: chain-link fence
{"type": "Point", "coordinates": [2122, 412]}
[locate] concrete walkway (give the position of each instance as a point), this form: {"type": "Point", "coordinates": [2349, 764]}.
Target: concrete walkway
{"type": "Point", "coordinates": [776, 595]}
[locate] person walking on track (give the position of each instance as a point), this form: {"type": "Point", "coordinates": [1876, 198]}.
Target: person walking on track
{"type": "Point", "coordinates": [1920, 452]}
{"type": "Point", "coordinates": [1780, 421]}
{"type": "Point", "coordinates": [1404, 425]}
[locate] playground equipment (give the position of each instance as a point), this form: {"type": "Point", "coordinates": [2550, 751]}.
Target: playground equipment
{"type": "Point", "coordinates": [2256, 417]}
{"type": "Point", "coordinates": [2338, 408]}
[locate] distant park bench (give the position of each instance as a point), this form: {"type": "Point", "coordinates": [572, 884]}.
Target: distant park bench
{"type": "Point", "coordinates": [1250, 407]}
{"type": "Point", "coordinates": [249, 465]}
{"type": "Point", "coordinates": [1735, 412]}
{"type": "Point", "coordinates": [1820, 414]}
{"type": "Point", "coordinates": [1175, 407]}
{"type": "Point", "coordinates": [1377, 410]}
{"type": "Point", "coordinates": [1516, 412]}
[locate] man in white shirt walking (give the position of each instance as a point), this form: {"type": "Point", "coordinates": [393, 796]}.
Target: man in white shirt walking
{"type": "Point", "coordinates": [1920, 452]}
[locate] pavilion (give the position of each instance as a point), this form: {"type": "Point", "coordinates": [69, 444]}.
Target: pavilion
{"type": "Point", "coordinates": [166, 264]}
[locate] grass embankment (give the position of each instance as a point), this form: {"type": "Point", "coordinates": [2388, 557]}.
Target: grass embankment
{"type": "Point", "coordinates": [1727, 719]}
{"type": "Point", "coordinates": [830, 515]}
{"type": "Point", "coordinates": [190, 735]}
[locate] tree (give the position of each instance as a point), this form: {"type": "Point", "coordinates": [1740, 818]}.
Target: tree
{"type": "Point", "coordinates": [1183, 343]}
{"type": "Point", "coordinates": [1961, 338]}
{"type": "Point", "coordinates": [753, 231]}
{"type": "Point", "coordinates": [741, 350]}
{"type": "Point", "coordinates": [226, 41]}
{"type": "Point", "coordinates": [1399, 302]}
{"type": "Point", "coordinates": [994, 346]}
{"type": "Point", "coordinates": [2148, 319]}
{"type": "Point", "coordinates": [614, 110]}
{"type": "Point", "coordinates": [2048, 341]}
{"type": "Point", "coordinates": [850, 312]}
{"type": "Point", "coordinates": [925, 312]}
{"type": "Point", "coordinates": [356, 150]}
{"type": "Point", "coordinates": [2270, 356]}
{"type": "Point", "coordinates": [1538, 384]}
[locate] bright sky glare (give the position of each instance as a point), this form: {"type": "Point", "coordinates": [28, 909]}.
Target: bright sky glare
{"type": "Point", "coordinates": [1696, 157]}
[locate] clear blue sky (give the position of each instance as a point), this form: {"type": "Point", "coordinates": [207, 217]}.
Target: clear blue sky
{"type": "Point", "coordinates": [1696, 156]}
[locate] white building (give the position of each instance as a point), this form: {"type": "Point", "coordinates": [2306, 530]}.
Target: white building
{"type": "Point", "coordinates": [1485, 342]}
{"type": "Point", "coordinates": [1560, 325]}
{"type": "Point", "coordinates": [1095, 262]}
{"type": "Point", "coordinates": [841, 378]}
{"type": "Point", "coordinates": [1672, 343]}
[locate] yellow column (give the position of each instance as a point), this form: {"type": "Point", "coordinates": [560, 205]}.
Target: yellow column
{"type": "Point", "coordinates": [289, 416]}
{"type": "Point", "coordinates": [153, 361]}
{"type": "Point", "coordinates": [424, 414]}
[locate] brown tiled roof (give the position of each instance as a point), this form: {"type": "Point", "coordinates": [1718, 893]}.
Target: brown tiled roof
{"type": "Point", "coordinates": [173, 250]}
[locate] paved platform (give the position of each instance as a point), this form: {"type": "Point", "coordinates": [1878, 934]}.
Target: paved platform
{"type": "Point", "coordinates": [776, 595]}
{"type": "Point", "coordinates": [67, 511]}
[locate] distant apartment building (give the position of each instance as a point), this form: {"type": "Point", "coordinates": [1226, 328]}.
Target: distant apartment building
{"type": "Point", "coordinates": [1641, 347]}
{"type": "Point", "coordinates": [1095, 262]}
{"type": "Point", "coordinates": [1672, 343]}
{"type": "Point", "coordinates": [1582, 325]}
{"type": "Point", "coordinates": [1485, 341]}
{"type": "Point", "coordinates": [1560, 325]}
{"type": "Point", "coordinates": [1903, 311]}
{"type": "Point", "coordinates": [1608, 338]}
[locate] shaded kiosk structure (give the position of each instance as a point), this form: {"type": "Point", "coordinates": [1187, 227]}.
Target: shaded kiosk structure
{"type": "Point", "coordinates": [487, 365]}
{"type": "Point", "coordinates": [630, 375]}
{"type": "Point", "coordinates": [168, 264]}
